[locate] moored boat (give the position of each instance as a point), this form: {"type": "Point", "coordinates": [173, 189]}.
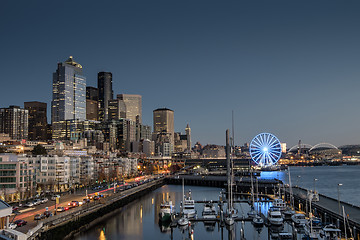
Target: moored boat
{"type": "Point", "coordinates": [275, 216]}
{"type": "Point", "coordinates": [166, 210]}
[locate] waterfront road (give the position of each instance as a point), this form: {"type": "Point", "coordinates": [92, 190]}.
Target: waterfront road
{"type": "Point", "coordinates": [28, 214]}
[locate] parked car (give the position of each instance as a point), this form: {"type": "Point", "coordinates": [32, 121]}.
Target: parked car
{"type": "Point", "coordinates": [44, 200]}
{"type": "Point", "coordinates": [36, 202]}
{"type": "Point", "coordinates": [12, 225]}
{"type": "Point", "coordinates": [53, 198]}
{"type": "Point", "coordinates": [47, 214]}
{"type": "Point", "coordinates": [29, 204]}
{"type": "Point", "coordinates": [39, 216]}
{"type": "Point", "coordinates": [20, 222]}
{"type": "Point", "coordinates": [60, 209]}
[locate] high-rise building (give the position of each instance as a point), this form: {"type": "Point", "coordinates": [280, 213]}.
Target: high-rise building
{"type": "Point", "coordinates": [14, 121]}
{"type": "Point", "coordinates": [163, 120]}
{"type": "Point", "coordinates": [37, 120]}
{"type": "Point", "coordinates": [188, 137]}
{"type": "Point", "coordinates": [92, 104]}
{"type": "Point", "coordinates": [92, 93]}
{"type": "Point", "coordinates": [105, 93]}
{"type": "Point", "coordinates": [69, 95]}
{"type": "Point", "coordinates": [130, 107]}
{"type": "Point", "coordinates": [164, 130]}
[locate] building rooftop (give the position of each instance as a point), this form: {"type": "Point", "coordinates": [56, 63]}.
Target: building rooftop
{"type": "Point", "coordinates": [71, 61]}
{"type": "Point", "coordinates": [163, 109]}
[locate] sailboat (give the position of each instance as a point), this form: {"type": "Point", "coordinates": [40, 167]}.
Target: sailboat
{"type": "Point", "coordinates": [183, 221]}
{"type": "Point", "coordinates": [252, 212]}
{"type": "Point", "coordinates": [289, 211]}
{"type": "Point", "coordinates": [257, 220]}
{"type": "Point", "coordinates": [231, 212]}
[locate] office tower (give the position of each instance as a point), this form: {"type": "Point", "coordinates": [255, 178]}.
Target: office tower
{"type": "Point", "coordinates": [37, 120]}
{"type": "Point", "coordinates": [114, 109]}
{"type": "Point", "coordinates": [130, 107]}
{"type": "Point", "coordinates": [92, 104]}
{"type": "Point", "coordinates": [163, 120]}
{"type": "Point", "coordinates": [92, 93]}
{"type": "Point", "coordinates": [164, 131]}
{"type": "Point", "coordinates": [105, 93]}
{"type": "Point", "coordinates": [188, 137]}
{"type": "Point", "coordinates": [69, 95]}
{"type": "Point", "coordinates": [14, 121]}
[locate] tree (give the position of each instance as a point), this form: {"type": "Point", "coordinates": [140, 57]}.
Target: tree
{"type": "Point", "coordinates": [39, 150]}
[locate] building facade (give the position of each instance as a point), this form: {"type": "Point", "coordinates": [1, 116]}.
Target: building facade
{"type": "Point", "coordinates": [14, 121]}
{"type": "Point", "coordinates": [163, 120]}
{"type": "Point", "coordinates": [37, 120]}
{"type": "Point", "coordinates": [130, 107]}
{"type": "Point", "coordinates": [105, 93]}
{"type": "Point", "coordinates": [69, 95]}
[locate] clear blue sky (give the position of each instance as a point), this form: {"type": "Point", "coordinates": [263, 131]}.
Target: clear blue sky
{"type": "Point", "coordinates": [286, 67]}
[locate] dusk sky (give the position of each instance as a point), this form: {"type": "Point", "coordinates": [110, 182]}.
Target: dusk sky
{"type": "Point", "coordinates": [291, 68]}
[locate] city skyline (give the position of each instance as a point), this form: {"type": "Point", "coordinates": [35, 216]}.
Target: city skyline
{"type": "Point", "coordinates": [290, 69]}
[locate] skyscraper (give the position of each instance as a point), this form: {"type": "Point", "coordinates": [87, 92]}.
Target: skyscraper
{"type": "Point", "coordinates": [69, 95]}
{"type": "Point", "coordinates": [37, 120]}
{"type": "Point", "coordinates": [105, 93]}
{"type": "Point", "coordinates": [163, 120]}
{"type": "Point", "coordinates": [130, 107]}
{"type": "Point", "coordinates": [188, 138]}
{"type": "Point", "coordinates": [164, 130]}
{"type": "Point", "coordinates": [14, 121]}
{"type": "Point", "coordinates": [92, 103]}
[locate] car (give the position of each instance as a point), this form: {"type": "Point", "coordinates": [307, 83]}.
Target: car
{"type": "Point", "coordinates": [96, 198]}
{"type": "Point", "coordinates": [39, 216]}
{"type": "Point", "coordinates": [73, 203]}
{"type": "Point", "coordinates": [20, 222]}
{"type": "Point", "coordinates": [53, 198]}
{"type": "Point", "coordinates": [86, 200]}
{"type": "Point", "coordinates": [36, 202]}
{"type": "Point", "coordinates": [44, 200]}
{"type": "Point", "coordinates": [15, 209]}
{"type": "Point", "coordinates": [60, 209]}
{"type": "Point", "coordinates": [29, 204]}
{"type": "Point", "coordinates": [47, 214]}
{"type": "Point", "coordinates": [12, 225]}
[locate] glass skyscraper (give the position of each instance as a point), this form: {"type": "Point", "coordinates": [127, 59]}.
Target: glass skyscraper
{"type": "Point", "coordinates": [105, 94]}
{"type": "Point", "coordinates": [69, 95]}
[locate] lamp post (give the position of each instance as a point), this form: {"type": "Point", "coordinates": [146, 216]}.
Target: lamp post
{"type": "Point", "coordinates": [298, 179]}
{"type": "Point", "coordinates": [315, 179]}
{"type": "Point", "coordinates": [338, 191]}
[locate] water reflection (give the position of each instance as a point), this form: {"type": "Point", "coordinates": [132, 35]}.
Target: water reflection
{"type": "Point", "coordinates": [140, 220]}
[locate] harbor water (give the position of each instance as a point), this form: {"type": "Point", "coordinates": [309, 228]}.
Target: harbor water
{"type": "Point", "coordinates": [140, 220]}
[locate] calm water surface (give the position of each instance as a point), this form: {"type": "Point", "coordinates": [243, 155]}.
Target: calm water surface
{"type": "Point", "coordinates": [139, 219]}
{"type": "Point", "coordinates": [328, 178]}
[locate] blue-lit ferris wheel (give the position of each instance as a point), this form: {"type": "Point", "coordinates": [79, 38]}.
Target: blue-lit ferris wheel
{"type": "Point", "coordinates": [265, 149]}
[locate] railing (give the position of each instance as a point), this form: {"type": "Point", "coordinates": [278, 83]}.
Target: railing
{"type": "Point", "coordinates": [93, 206]}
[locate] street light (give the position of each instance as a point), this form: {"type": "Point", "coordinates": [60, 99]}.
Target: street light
{"type": "Point", "coordinates": [298, 179]}
{"type": "Point", "coordinates": [315, 179]}
{"type": "Point", "coordinates": [338, 190]}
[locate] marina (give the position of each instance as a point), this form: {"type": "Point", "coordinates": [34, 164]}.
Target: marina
{"type": "Point", "coordinates": [215, 228]}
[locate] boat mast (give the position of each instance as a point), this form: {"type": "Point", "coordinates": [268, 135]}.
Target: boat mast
{"type": "Point", "coordinates": [227, 151]}
{"type": "Point", "coordinates": [291, 191]}
{"type": "Point", "coordinates": [252, 187]}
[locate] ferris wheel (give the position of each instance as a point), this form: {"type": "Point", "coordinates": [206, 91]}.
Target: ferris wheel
{"type": "Point", "coordinates": [265, 149]}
